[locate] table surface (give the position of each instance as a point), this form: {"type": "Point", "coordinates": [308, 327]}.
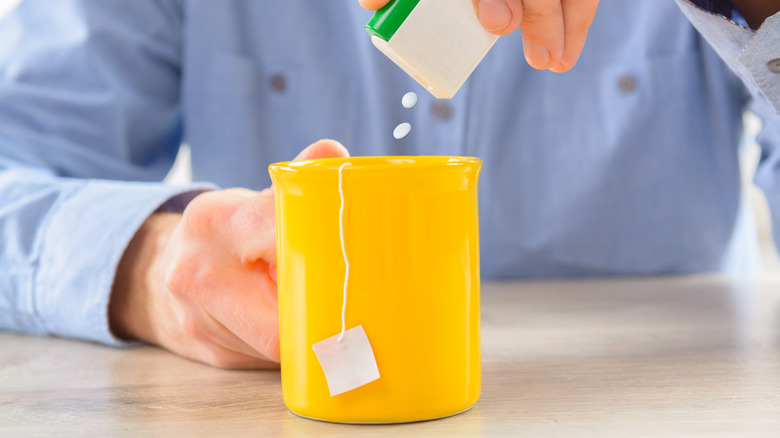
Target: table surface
{"type": "Point", "coordinates": [632, 357]}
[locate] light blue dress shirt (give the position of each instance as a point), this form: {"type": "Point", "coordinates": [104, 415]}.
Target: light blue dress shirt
{"type": "Point", "coordinates": [627, 165]}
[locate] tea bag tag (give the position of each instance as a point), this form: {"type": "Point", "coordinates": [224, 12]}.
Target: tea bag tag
{"type": "Point", "coordinates": [348, 364]}
{"type": "Point", "coordinates": [346, 358]}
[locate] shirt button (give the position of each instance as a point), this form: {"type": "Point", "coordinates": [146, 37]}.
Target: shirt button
{"type": "Point", "coordinates": [278, 82]}
{"type": "Point", "coordinates": [441, 111]}
{"type": "Point", "coordinates": [627, 83]}
{"type": "Point", "coordinates": [774, 65]}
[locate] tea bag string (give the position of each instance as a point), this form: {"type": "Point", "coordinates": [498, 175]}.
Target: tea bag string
{"type": "Point", "coordinates": [343, 251]}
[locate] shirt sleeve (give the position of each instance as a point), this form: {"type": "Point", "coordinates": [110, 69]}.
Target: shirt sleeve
{"type": "Point", "coordinates": [89, 124]}
{"type": "Point", "coordinates": [754, 56]}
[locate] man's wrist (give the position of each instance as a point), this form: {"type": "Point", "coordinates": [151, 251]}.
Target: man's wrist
{"type": "Point", "coordinates": [130, 315]}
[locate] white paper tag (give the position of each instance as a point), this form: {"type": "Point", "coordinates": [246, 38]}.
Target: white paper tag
{"type": "Point", "coordinates": [348, 364]}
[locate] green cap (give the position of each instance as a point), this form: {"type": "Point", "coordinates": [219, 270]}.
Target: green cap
{"type": "Point", "coordinates": [387, 20]}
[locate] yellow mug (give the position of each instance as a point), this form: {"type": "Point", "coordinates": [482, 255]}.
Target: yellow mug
{"type": "Point", "coordinates": [411, 235]}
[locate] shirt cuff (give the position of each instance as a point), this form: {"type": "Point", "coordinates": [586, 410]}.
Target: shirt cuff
{"type": "Point", "coordinates": [722, 7]}
{"type": "Point", "coordinates": [754, 56]}
{"type": "Point", "coordinates": [178, 203]}
{"type": "Point", "coordinates": [82, 244]}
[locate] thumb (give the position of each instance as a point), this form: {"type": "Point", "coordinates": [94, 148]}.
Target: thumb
{"type": "Point", "coordinates": [500, 17]}
{"type": "Point", "coordinates": [373, 5]}
{"type": "Point", "coordinates": [323, 149]}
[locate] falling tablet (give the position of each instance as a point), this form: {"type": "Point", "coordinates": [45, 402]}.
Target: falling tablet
{"type": "Point", "coordinates": [409, 100]}
{"type": "Point", "coordinates": [402, 130]}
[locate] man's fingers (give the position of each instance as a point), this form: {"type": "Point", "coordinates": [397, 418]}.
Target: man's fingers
{"type": "Point", "coordinates": [241, 297]}
{"type": "Point", "coordinates": [244, 219]}
{"type": "Point", "coordinates": [221, 357]}
{"type": "Point", "coordinates": [248, 307]}
{"type": "Point", "coordinates": [252, 230]}
{"type": "Point", "coordinates": [323, 149]}
{"type": "Point", "coordinates": [221, 335]}
{"type": "Point", "coordinates": [253, 225]}
{"type": "Point", "coordinates": [203, 337]}
{"type": "Point", "coordinates": [543, 34]}
{"type": "Point", "coordinates": [554, 31]}
{"type": "Point", "coordinates": [373, 5]}
{"type": "Point", "coordinates": [577, 17]}
{"type": "Point", "coordinates": [500, 17]}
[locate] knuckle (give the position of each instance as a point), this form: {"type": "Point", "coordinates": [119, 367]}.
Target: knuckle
{"type": "Point", "coordinates": [221, 358]}
{"type": "Point", "coordinates": [214, 358]}
{"type": "Point", "coordinates": [212, 210]}
{"type": "Point", "coordinates": [579, 27]}
{"type": "Point", "coordinates": [211, 206]}
{"type": "Point", "coordinates": [220, 361]}
{"type": "Point", "coordinates": [198, 216]}
{"type": "Point", "coordinates": [271, 350]}
{"type": "Point", "coordinates": [542, 13]}
{"type": "Point", "coordinates": [237, 192]}
{"type": "Point", "coordinates": [257, 221]}
{"type": "Point", "coordinates": [579, 19]}
{"type": "Point", "coordinates": [255, 216]}
{"type": "Point", "coordinates": [191, 326]}
{"type": "Point", "coordinates": [180, 278]}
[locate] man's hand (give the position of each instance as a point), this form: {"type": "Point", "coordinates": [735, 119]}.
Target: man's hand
{"type": "Point", "coordinates": [203, 284]}
{"type": "Point", "coordinates": [554, 31]}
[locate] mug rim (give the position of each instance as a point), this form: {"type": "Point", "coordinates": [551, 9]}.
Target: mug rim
{"type": "Point", "coordinates": [376, 163]}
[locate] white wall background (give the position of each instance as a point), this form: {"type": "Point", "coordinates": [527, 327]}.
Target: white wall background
{"type": "Point", "coordinates": [769, 254]}
{"type": "Point", "coordinates": [6, 5]}
{"type": "Point", "coordinates": [180, 174]}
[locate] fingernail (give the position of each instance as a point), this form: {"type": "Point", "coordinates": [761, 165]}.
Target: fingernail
{"type": "Point", "coordinates": [494, 15]}
{"type": "Point", "coordinates": [536, 54]}
{"type": "Point", "coordinates": [559, 68]}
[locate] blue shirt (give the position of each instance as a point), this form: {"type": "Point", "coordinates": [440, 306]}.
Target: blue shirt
{"type": "Point", "coordinates": [627, 165]}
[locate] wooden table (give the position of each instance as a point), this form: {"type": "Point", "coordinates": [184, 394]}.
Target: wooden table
{"type": "Point", "coordinates": [637, 357]}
